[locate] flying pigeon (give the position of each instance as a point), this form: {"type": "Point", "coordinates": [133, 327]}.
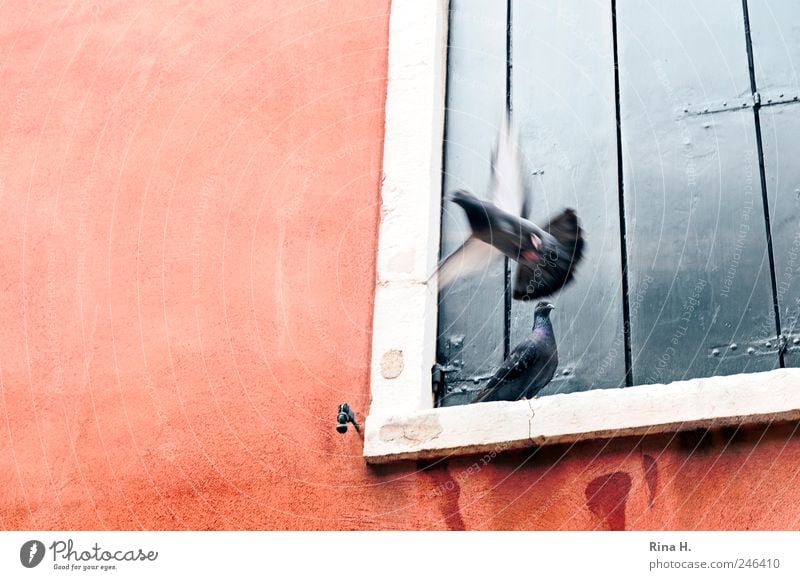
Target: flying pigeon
{"type": "Point", "coordinates": [529, 367]}
{"type": "Point", "coordinates": [546, 257]}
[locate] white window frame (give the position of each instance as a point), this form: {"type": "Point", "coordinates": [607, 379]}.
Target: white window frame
{"type": "Point", "coordinates": [402, 422]}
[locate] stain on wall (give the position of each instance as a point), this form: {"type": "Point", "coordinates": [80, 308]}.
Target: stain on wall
{"type": "Point", "coordinates": [606, 497]}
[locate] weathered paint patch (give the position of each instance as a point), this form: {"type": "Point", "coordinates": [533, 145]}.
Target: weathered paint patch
{"type": "Point", "coordinates": [392, 364]}
{"type": "Point", "coordinates": [403, 261]}
{"type": "Point", "coordinates": [418, 429]}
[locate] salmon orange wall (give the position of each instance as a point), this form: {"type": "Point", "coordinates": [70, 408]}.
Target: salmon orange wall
{"type": "Point", "coordinates": [190, 198]}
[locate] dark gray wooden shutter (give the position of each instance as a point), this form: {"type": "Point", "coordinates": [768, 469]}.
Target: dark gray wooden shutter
{"type": "Point", "coordinates": [707, 100]}
{"type": "Point", "coordinates": [563, 97]}
{"type": "Point", "coordinates": [697, 248]}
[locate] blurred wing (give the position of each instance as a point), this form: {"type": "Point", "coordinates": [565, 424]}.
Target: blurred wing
{"type": "Point", "coordinates": [509, 190]}
{"type": "Point", "coordinates": [472, 257]}
{"type": "Point", "coordinates": [556, 269]}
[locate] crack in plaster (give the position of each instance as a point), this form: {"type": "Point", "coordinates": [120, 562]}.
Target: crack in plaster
{"type": "Point", "coordinates": [530, 420]}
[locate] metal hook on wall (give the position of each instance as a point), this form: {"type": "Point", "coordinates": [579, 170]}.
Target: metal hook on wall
{"type": "Point", "coordinates": [345, 415]}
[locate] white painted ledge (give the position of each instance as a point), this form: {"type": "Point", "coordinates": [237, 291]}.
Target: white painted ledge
{"type": "Point", "coordinates": [603, 413]}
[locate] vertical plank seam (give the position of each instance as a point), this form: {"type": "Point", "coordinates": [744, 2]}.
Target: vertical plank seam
{"type": "Point", "coordinates": [509, 105]}
{"type": "Point", "coordinates": [443, 383]}
{"type": "Point", "coordinates": [626, 311]}
{"type": "Point", "coordinates": [763, 176]}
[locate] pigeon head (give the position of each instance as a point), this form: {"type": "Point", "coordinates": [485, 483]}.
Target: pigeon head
{"type": "Point", "coordinates": [475, 209]}
{"type": "Point", "coordinates": [541, 317]}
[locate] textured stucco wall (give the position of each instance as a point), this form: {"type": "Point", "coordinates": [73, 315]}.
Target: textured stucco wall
{"type": "Point", "coordinates": [189, 210]}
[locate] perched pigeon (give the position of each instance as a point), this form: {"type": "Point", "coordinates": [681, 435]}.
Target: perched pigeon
{"type": "Point", "coordinates": [529, 367]}
{"type": "Point", "coordinates": [546, 257]}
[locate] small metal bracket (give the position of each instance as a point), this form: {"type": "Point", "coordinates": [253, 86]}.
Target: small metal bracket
{"type": "Point", "coordinates": [437, 378]}
{"type": "Point", "coordinates": [455, 347]}
{"type": "Point", "coordinates": [779, 98]}
{"type": "Point", "coordinates": [766, 346]}
{"type": "Point", "coordinates": [746, 102]}
{"type": "Point", "coordinates": [737, 104]}
{"type": "Point", "coordinates": [791, 342]}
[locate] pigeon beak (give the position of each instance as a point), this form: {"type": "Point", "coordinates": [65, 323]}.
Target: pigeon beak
{"type": "Point", "coordinates": [551, 307]}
